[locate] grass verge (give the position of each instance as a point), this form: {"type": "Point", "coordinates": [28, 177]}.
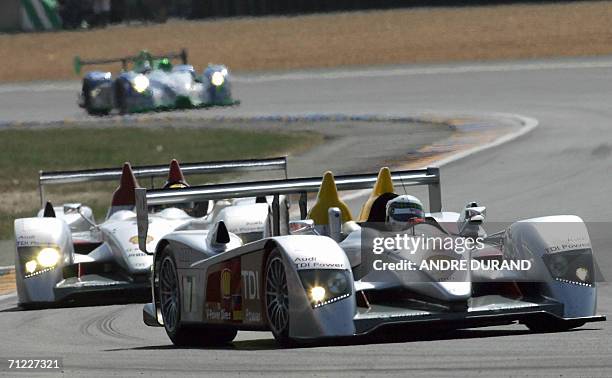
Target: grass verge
{"type": "Point", "coordinates": [341, 39]}
{"type": "Point", "coordinates": [24, 152]}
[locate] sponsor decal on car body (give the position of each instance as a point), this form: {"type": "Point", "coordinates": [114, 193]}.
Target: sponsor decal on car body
{"type": "Point", "coordinates": [233, 292]}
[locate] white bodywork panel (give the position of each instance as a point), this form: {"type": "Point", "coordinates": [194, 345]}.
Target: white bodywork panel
{"type": "Point", "coordinates": [115, 240]}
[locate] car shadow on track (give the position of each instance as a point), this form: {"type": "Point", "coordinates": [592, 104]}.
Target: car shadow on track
{"type": "Point", "coordinates": [396, 337]}
{"type": "Point", "coordinates": [81, 304]}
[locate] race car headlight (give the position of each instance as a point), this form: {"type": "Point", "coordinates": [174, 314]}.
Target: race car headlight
{"type": "Point", "coordinates": [325, 286]}
{"type": "Point", "coordinates": [36, 260]}
{"type": "Point", "coordinates": [573, 267]}
{"type": "Point", "coordinates": [95, 92]}
{"type": "Point", "coordinates": [140, 83]}
{"type": "Point", "coordinates": [31, 266]}
{"type": "Point", "coordinates": [557, 264]}
{"type": "Point", "coordinates": [317, 294]}
{"type": "Point", "coordinates": [48, 257]}
{"type": "Point", "coordinates": [337, 283]}
{"type": "Point", "coordinates": [582, 273]}
{"type": "Point", "coordinates": [217, 79]}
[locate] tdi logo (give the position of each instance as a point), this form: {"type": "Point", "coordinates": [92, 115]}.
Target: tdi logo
{"type": "Point", "coordinates": [250, 281]}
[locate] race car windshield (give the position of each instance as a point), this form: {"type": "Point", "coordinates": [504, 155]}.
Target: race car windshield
{"type": "Point", "coordinates": [405, 214]}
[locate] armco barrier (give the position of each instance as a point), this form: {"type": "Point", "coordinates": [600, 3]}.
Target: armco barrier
{"type": "Point", "coordinates": [40, 15]}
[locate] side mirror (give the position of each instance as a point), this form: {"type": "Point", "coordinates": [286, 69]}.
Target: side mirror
{"type": "Point", "coordinates": [335, 223]}
{"type": "Point", "coordinates": [304, 226]}
{"type": "Point", "coordinates": [72, 208]}
{"type": "Point", "coordinates": [470, 220]}
{"type": "Point", "coordinates": [76, 208]}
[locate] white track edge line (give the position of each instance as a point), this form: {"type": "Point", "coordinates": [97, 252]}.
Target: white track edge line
{"type": "Point", "coordinates": [528, 125]}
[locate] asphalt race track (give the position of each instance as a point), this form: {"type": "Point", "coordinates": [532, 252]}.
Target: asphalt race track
{"type": "Point", "coordinates": [563, 166]}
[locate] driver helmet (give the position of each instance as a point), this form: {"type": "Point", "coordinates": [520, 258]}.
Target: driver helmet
{"type": "Point", "coordinates": [164, 64]}
{"type": "Point", "coordinates": [404, 211]}
{"type": "Point", "coordinates": [175, 185]}
{"type": "Point", "coordinates": [142, 63]}
{"type": "Point", "coordinates": [178, 185]}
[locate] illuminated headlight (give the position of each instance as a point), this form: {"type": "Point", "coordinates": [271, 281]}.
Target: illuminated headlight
{"type": "Point", "coordinates": [571, 267]}
{"type": "Point", "coordinates": [48, 257]}
{"type": "Point", "coordinates": [140, 83]}
{"type": "Point", "coordinates": [325, 286]}
{"type": "Point", "coordinates": [582, 273]}
{"type": "Point", "coordinates": [37, 260]}
{"type": "Point", "coordinates": [317, 294]}
{"type": "Point", "coordinates": [31, 266]}
{"type": "Point", "coordinates": [217, 79]}
{"type": "Point", "coordinates": [95, 92]}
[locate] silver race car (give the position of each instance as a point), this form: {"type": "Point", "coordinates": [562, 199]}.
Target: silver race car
{"type": "Point", "coordinates": [326, 275]}
{"type": "Point", "coordinates": [64, 256]}
{"type": "Point", "coordinates": [153, 84]}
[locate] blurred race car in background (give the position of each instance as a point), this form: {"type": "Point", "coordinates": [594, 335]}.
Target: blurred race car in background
{"type": "Point", "coordinates": [64, 256]}
{"type": "Point", "coordinates": [320, 277]}
{"type": "Point", "coordinates": [153, 83]}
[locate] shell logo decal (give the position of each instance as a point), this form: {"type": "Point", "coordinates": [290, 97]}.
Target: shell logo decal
{"type": "Point", "coordinates": [134, 239]}
{"type": "Point", "coordinates": [226, 281]}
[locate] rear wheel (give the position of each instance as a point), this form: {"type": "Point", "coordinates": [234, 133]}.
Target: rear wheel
{"type": "Point", "coordinates": [277, 298]}
{"type": "Point", "coordinates": [170, 303]}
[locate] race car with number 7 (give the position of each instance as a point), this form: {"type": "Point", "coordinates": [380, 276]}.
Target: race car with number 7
{"type": "Point", "coordinates": [320, 277]}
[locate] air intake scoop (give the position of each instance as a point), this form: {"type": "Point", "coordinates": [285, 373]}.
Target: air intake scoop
{"type": "Point", "coordinates": [219, 236]}
{"type": "Point", "coordinates": [175, 176]}
{"type": "Point", "coordinates": [49, 211]}
{"type": "Point", "coordinates": [124, 194]}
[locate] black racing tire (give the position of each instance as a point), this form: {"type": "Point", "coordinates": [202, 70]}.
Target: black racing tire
{"type": "Point", "coordinates": [95, 112]}
{"type": "Point", "coordinates": [552, 325]}
{"type": "Point", "coordinates": [86, 96]}
{"type": "Point", "coordinates": [170, 304]}
{"type": "Point", "coordinates": [277, 298]}
{"type": "Point", "coordinates": [87, 101]}
{"type": "Point", "coordinates": [120, 97]}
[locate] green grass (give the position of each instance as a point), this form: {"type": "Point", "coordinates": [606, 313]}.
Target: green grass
{"type": "Point", "coordinates": [24, 152]}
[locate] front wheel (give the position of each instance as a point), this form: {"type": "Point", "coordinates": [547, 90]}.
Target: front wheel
{"type": "Point", "coordinates": [170, 303]}
{"type": "Point", "coordinates": [277, 298]}
{"type": "Point", "coordinates": [87, 102]}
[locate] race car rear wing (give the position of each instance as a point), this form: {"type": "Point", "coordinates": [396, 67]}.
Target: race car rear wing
{"type": "Point", "coordinates": [152, 171]}
{"type": "Point", "coordinates": [275, 188]}
{"type": "Point", "coordinates": [78, 63]}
